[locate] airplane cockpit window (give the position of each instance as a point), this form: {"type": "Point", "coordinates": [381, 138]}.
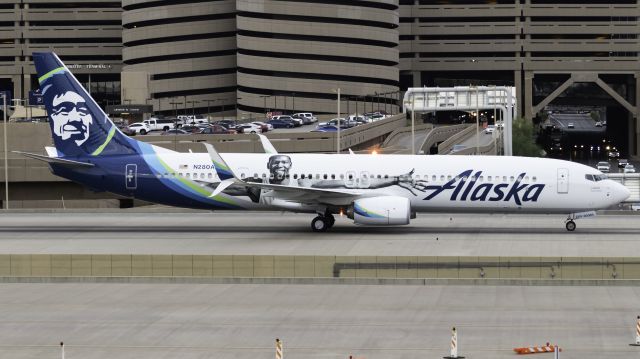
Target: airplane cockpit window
{"type": "Point", "coordinates": [534, 178]}
{"type": "Point", "coordinates": [595, 178]}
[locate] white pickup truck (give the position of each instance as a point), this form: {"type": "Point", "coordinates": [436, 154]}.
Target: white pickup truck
{"type": "Point", "coordinates": [162, 124]}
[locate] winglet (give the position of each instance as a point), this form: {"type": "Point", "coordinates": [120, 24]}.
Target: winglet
{"type": "Point", "coordinates": [223, 171]}
{"type": "Point", "coordinates": [266, 144]}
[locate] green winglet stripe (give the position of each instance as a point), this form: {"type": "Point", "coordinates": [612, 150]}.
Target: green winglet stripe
{"type": "Point", "coordinates": [221, 165]}
{"type": "Point", "coordinates": [49, 74]}
{"type": "Point", "coordinates": [99, 150]}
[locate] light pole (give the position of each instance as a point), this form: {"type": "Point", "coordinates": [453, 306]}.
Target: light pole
{"type": "Point", "coordinates": [237, 99]}
{"type": "Point", "coordinates": [293, 98]}
{"type": "Point", "coordinates": [477, 124]}
{"type": "Point", "coordinates": [264, 97]}
{"type": "Point", "coordinates": [339, 122]}
{"type": "Point", "coordinates": [413, 127]}
{"type": "Point", "coordinates": [209, 107]}
{"type": "Point", "coordinates": [6, 160]}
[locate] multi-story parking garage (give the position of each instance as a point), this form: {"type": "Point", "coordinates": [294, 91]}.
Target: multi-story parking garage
{"type": "Point", "coordinates": [565, 52]}
{"type": "Point", "coordinates": [216, 56]}
{"type": "Point", "coordinates": [86, 34]}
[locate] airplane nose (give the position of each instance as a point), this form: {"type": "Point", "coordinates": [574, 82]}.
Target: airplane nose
{"type": "Point", "coordinates": [620, 193]}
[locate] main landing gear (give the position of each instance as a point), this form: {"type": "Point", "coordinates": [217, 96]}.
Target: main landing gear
{"type": "Point", "coordinates": [322, 223]}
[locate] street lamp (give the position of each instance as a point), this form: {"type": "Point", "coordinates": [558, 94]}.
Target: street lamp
{"type": "Point", "coordinates": [237, 99]}
{"type": "Point", "coordinates": [264, 97]}
{"type": "Point", "coordinates": [6, 161]}
{"type": "Point", "coordinates": [339, 123]}
{"type": "Point", "coordinates": [413, 127]}
{"type": "Point", "coordinates": [209, 107]}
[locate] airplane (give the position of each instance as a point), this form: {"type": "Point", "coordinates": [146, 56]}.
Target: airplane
{"type": "Point", "coordinates": [378, 190]}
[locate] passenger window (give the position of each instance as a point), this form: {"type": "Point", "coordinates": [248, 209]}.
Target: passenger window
{"type": "Point", "coordinates": [434, 178]}
{"type": "Point", "coordinates": [295, 176]}
{"type": "Point", "coordinates": [333, 176]}
{"type": "Point", "coordinates": [504, 178]}
{"type": "Point", "coordinates": [210, 175]}
{"type": "Point", "coordinates": [449, 178]}
{"type": "Point", "coordinates": [242, 175]}
{"type": "Point", "coordinates": [526, 179]}
{"type": "Point", "coordinates": [511, 179]}
{"type": "Point", "coordinates": [271, 176]}
{"type": "Point", "coordinates": [301, 176]}
{"type": "Point", "coordinates": [179, 174]}
{"type": "Point", "coordinates": [350, 177]}
{"type": "Point", "coordinates": [325, 176]}
{"type": "Point", "coordinates": [341, 176]}
{"type": "Point", "coordinates": [195, 176]}
{"type": "Point", "coordinates": [187, 175]}
{"type": "Point", "coordinates": [264, 175]}
{"type": "Point", "coordinates": [489, 178]}
{"type": "Point", "coordinates": [166, 175]}
{"type": "Point", "coordinates": [379, 176]}
{"type": "Point", "coordinates": [481, 178]}
{"type": "Point", "coordinates": [534, 178]}
{"type": "Point", "coordinates": [441, 178]}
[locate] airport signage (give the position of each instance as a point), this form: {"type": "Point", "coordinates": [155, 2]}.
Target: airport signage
{"type": "Point", "coordinates": [466, 187]}
{"type": "Point", "coordinates": [35, 98]}
{"type": "Point", "coordinates": [89, 66]}
{"type": "Point", "coordinates": [129, 109]}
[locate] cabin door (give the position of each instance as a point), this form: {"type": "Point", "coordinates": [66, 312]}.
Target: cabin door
{"type": "Point", "coordinates": [131, 176]}
{"type": "Point", "coordinates": [563, 180]}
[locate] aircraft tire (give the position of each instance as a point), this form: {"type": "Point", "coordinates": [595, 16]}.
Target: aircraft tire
{"type": "Point", "coordinates": [331, 219]}
{"type": "Point", "coordinates": [320, 224]}
{"type": "Point", "coordinates": [571, 226]}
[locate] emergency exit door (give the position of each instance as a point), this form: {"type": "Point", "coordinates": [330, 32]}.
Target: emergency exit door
{"type": "Point", "coordinates": [131, 176]}
{"type": "Point", "coordinates": [563, 180]}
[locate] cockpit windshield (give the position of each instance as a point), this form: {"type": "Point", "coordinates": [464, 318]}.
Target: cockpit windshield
{"type": "Point", "coordinates": [595, 178]}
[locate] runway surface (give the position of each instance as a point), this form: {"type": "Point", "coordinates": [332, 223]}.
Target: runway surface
{"type": "Point", "coordinates": [254, 233]}
{"type": "Point", "coordinates": [147, 321]}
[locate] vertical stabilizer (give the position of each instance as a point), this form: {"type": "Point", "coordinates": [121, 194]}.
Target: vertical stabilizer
{"type": "Point", "coordinates": [79, 126]}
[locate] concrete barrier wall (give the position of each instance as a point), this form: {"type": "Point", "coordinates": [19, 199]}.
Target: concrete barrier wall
{"type": "Point", "coordinates": [261, 266]}
{"type": "Point", "coordinates": [446, 146]}
{"type": "Point", "coordinates": [441, 134]}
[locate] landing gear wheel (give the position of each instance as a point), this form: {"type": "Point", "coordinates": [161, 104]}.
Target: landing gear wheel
{"type": "Point", "coordinates": [330, 219]}
{"type": "Point", "coordinates": [320, 224]}
{"type": "Point", "coordinates": [571, 226]}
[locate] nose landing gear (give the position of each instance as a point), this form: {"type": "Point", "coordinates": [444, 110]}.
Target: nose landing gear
{"type": "Point", "coordinates": [570, 225]}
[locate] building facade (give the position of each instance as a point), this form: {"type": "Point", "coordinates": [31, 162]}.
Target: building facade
{"type": "Point", "coordinates": [86, 34]}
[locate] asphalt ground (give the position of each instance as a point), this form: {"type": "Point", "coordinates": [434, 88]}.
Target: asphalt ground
{"type": "Point", "coordinates": [158, 321]}
{"type": "Point", "coordinates": [276, 233]}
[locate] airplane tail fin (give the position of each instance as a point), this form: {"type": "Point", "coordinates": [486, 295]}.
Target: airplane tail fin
{"type": "Point", "coordinates": [78, 125]}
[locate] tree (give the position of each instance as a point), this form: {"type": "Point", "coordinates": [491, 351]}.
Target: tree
{"type": "Point", "coordinates": [595, 116]}
{"type": "Point", "coordinates": [523, 135]}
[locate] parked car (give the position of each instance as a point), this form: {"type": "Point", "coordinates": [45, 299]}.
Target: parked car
{"type": "Point", "coordinates": [598, 124]}
{"type": "Point", "coordinates": [197, 119]}
{"type": "Point", "coordinates": [307, 115]}
{"type": "Point", "coordinates": [281, 124]}
{"type": "Point", "coordinates": [622, 162]}
{"type": "Point", "coordinates": [217, 130]}
{"type": "Point", "coordinates": [266, 127]}
{"type": "Point", "coordinates": [230, 124]}
{"type": "Point", "coordinates": [629, 169]}
{"type": "Point", "coordinates": [570, 125]}
{"type": "Point", "coordinates": [490, 129]}
{"type": "Point", "coordinates": [249, 128]}
{"type": "Point", "coordinates": [126, 130]}
{"type": "Point", "coordinates": [305, 120]}
{"type": "Point", "coordinates": [344, 123]}
{"type": "Point", "coordinates": [326, 128]}
{"type": "Point", "coordinates": [163, 124]}
{"type": "Point", "coordinates": [603, 166]}
{"type": "Point", "coordinates": [191, 128]}
{"type": "Point", "coordinates": [140, 127]}
{"type": "Point", "coordinates": [174, 132]}
{"type": "Point", "coordinates": [296, 121]}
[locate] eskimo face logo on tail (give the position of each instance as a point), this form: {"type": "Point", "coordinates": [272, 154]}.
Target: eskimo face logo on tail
{"type": "Point", "coordinates": [465, 187]}
{"type": "Point", "coordinates": [70, 117]}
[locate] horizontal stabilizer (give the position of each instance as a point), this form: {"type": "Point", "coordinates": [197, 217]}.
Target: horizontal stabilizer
{"type": "Point", "coordinates": [56, 160]}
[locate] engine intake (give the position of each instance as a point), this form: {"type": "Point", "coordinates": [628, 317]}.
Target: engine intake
{"type": "Point", "coordinates": [380, 211]}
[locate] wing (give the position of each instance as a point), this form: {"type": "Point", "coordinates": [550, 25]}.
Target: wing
{"type": "Point", "coordinates": [289, 193]}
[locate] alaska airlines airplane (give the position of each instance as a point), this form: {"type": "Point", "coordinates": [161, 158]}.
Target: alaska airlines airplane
{"type": "Point", "coordinates": [370, 189]}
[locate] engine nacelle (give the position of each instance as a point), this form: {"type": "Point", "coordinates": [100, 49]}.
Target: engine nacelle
{"type": "Point", "coordinates": [381, 211]}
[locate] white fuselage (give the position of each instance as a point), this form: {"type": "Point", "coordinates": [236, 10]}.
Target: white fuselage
{"type": "Point", "coordinates": [432, 183]}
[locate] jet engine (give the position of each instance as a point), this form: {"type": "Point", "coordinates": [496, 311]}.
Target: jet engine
{"type": "Point", "coordinates": [380, 211]}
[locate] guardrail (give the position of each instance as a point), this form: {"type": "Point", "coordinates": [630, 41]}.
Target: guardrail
{"type": "Point", "coordinates": [446, 146]}
{"type": "Point", "coordinates": [267, 266]}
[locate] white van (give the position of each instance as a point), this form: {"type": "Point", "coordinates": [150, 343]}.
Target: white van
{"type": "Point", "coordinates": [162, 124]}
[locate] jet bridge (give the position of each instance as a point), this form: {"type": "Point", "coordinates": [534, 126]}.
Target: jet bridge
{"type": "Point", "coordinates": [466, 98]}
